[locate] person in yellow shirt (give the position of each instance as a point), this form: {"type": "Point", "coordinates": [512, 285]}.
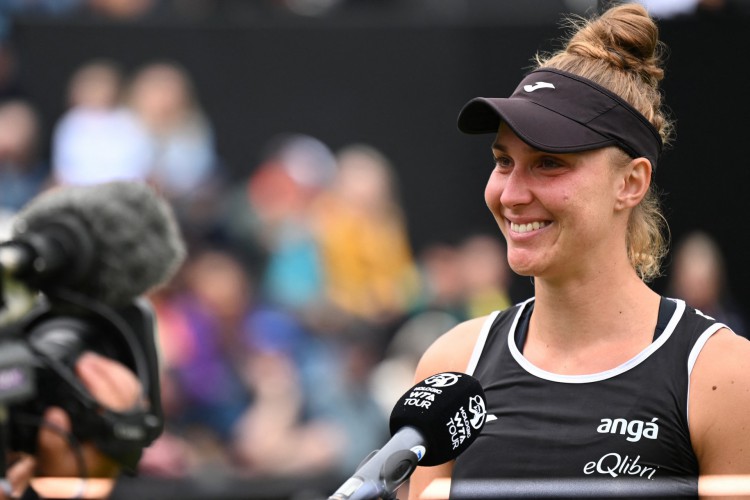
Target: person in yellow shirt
{"type": "Point", "coordinates": [369, 270]}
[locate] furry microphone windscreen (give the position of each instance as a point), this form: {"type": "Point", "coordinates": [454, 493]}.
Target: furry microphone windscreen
{"type": "Point", "coordinates": [121, 238]}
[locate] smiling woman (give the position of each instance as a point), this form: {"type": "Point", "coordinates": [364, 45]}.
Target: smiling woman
{"type": "Point", "coordinates": [566, 114]}
{"type": "Point", "coordinates": [597, 377]}
{"type": "Point", "coordinates": [553, 207]}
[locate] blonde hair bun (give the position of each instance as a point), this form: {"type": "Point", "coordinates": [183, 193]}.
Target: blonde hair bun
{"type": "Point", "coordinates": [625, 37]}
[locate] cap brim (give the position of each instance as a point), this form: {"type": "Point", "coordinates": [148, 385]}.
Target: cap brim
{"type": "Point", "coordinates": [536, 125]}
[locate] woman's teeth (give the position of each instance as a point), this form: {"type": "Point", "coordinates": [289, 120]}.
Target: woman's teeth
{"type": "Point", "coordinates": [525, 228]}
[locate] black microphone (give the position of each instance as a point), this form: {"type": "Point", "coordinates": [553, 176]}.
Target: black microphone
{"type": "Point", "coordinates": [111, 241]}
{"type": "Point", "coordinates": [432, 423]}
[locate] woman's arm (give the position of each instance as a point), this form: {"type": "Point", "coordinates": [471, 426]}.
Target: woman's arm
{"type": "Point", "coordinates": [719, 408]}
{"type": "Point", "coordinates": [450, 352]}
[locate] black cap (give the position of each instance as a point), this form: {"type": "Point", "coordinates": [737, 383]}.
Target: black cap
{"type": "Point", "coordinates": [559, 112]}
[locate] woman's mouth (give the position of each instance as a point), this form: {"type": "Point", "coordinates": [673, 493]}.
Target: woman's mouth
{"type": "Point", "coordinates": [529, 226]}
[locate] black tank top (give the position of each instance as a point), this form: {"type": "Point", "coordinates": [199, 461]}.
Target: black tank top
{"type": "Point", "coordinates": [611, 434]}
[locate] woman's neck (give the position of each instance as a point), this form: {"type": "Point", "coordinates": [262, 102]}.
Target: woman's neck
{"type": "Point", "coordinates": [592, 325]}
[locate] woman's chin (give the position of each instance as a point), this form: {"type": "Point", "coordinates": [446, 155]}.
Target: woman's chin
{"type": "Point", "coordinates": [523, 268]}
{"type": "Point", "coordinates": [523, 262]}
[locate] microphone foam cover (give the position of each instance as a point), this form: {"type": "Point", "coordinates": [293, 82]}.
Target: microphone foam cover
{"type": "Point", "coordinates": [136, 238]}
{"type": "Point", "coordinates": [448, 409]}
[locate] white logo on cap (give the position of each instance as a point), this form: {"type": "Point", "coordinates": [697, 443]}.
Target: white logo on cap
{"type": "Point", "coordinates": [538, 85]}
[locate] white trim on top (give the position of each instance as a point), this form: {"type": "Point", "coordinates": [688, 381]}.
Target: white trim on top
{"type": "Point", "coordinates": [482, 339]}
{"type": "Point", "coordinates": [596, 377]}
{"type": "Point", "coordinates": [695, 351]}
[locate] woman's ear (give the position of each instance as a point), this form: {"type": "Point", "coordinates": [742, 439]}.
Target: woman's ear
{"type": "Point", "coordinates": [635, 183]}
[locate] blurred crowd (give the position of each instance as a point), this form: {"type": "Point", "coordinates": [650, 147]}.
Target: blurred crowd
{"type": "Point", "coordinates": [300, 314]}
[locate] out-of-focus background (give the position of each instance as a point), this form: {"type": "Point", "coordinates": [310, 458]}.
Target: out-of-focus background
{"type": "Point", "coordinates": [334, 214]}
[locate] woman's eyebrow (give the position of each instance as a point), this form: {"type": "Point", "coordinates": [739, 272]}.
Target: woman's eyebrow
{"type": "Point", "coordinates": [499, 146]}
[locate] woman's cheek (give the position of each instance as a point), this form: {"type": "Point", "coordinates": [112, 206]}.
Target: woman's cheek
{"type": "Point", "coordinates": [492, 195]}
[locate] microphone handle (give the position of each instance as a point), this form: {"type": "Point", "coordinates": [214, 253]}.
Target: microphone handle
{"type": "Point", "coordinates": [386, 470]}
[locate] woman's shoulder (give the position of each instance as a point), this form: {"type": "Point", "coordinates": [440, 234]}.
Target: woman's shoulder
{"type": "Point", "coordinates": [725, 354]}
{"type": "Point", "coordinates": [719, 403]}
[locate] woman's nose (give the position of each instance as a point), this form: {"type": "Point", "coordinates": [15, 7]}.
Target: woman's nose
{"type": "Point", "coordinates": [516, 188]}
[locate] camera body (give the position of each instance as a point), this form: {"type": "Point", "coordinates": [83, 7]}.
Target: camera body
{"type": "Point", "coordinates": [37, 358]}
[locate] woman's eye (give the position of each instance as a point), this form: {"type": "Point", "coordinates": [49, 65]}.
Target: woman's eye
{"type": "Point", "coordinates": [502, 161]}
{"type": "Point", "coordinates": [549, 163]}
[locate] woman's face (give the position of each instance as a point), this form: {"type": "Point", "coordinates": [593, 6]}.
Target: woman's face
{"type": "Point", "coordinates": [558, 212]}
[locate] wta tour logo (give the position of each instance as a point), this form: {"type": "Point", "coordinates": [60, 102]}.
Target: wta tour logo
{"type": "Point", "coordinates": [442, 380]}
{"type": "Point", "coordinates": [461, 426]}
{"type": "Point", "coordinates": [424, 396]}
{"type": "Point", "coordinates": [478, 412]}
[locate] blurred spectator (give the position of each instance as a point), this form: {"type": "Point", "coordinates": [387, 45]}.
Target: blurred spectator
{"type": "Point", "coordinates": [486, 275]}
{"type": "Point", "coordinates": [362, 232]}
{"type": "Point", "coordinates": [274, 437]}
{"type": "Point", "coordinates": [308, 367]}
{"type": "Point", "coordinates": [200, 331]}
{"type": "Point", "coordinates": [442, 284]}
{"type": "Point", "coordinates": [312, 411]}
{"type": "Point", "coordinates": [699, 277]}
{"type": "Point", "coordinates": [97, 139]}
{"type": "Point", "coordinates": [185, 165]}
{"type": "Point", "coordinates": [23, 174]}
{"type": "Point", "coordinates": [162, 96]}
{"type": "Point", "coordinates": [279, 195]}
{"type": "Point", "coordinates": [248, 388]}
